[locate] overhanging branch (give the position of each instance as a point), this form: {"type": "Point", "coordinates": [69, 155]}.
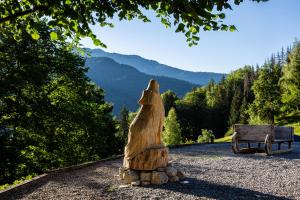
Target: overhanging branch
{"type": "Point", "coordinates": [22, 13]}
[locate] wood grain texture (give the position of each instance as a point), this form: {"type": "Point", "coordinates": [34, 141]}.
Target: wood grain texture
{"type": "Point", "coordinates": [145, 132]}
{"type": "Point", "coordinates": [255, 133]}
{"type": "Point", "coordinates": [284, 133]}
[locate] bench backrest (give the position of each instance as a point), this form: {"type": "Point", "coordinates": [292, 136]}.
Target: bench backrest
{"type": "Point", "coordinates": [254, 132]}
{"type": "Point", "coordinates": [284, 133]}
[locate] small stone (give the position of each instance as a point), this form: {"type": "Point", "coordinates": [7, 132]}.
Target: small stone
{"type": "Point", "coordinates": [124, 186]}
{"type": "Point", "coordinates": [173, 179]}
{"type": "Point", "coordinates": [184, 182]}
{"type": "Point", "coordinates": [161, 169]}
{"type": "Point", "coordinates": [144, 183]}
{"type": "Point", "coordinates": [121, 171]}
{"type": "Point", "coordinates": [171, 171]}
{"type": "Point", "coordinates": [180, 175]}
{"type": "Point", "coordinates": [145, 176]}
{"type": "Point", "coordinates": [135, 183]}
{"type": "Point", "coordinates": [159, 178]}
{"type": "Point", "coordinates": [130, 176]}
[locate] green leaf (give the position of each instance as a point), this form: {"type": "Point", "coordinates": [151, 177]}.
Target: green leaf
{"type": "Point", "coordinates": [195, 38]}
{"type": "Point", "coordinates": [222, 15]}
{"type": "Point", "coordinates": [53, 36]}
{"type": "Point", "coordinates": [35, 36]}
{"type": "Point", "coordinates": [232, 28]}
{"type": "Point", "coordinates": [224, 27]}
{"type": "Point", "coordinates": [165, 22]}
{"type": "Point", "coordinates": [193, 29]}
{"type": "Point", "coordinates": [207, 28]}
{"type": "Point", "coordinates": [180, 28]}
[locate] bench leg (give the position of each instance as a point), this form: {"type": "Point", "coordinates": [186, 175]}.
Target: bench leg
{"type": "Point", "coordinates": [258, 145]}
{"type": "Point", "coordinates": [279, 145]}
{"type": "Point", "coordinates": [235, 143]}
{"type": "Point", "coordinates": [249, 145]}
{"type": "Point", "coordinates": [290, 145]}
{"type": "Point", "coordinates": [268, 145]}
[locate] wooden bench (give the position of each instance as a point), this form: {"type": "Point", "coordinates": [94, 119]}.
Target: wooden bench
{"type": "Point", "coordinates": [266, 134]}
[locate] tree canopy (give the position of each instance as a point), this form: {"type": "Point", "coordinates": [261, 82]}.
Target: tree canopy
{"type": "Point", "coordinates": [266, 89]}
{"type": "Point", "coordinates": [51, 116]}
{"type": "Point", "coordinates": [74, 17]}
{"type": "Point", "coordinates": [290, 81]}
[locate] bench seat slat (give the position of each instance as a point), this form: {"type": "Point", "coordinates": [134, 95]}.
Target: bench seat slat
{"type": "Point", "coordinates": [254, 132]}
{"type": "Point", "coordinates": [287, 140]}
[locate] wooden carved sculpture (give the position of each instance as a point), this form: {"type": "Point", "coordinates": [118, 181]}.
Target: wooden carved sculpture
{"type": "Point", "coordinates": [145, 150]}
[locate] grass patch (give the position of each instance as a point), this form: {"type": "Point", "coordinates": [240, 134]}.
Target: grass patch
{"type": "Point", "coordinates": [16, 182]}
{"type": "Point", "coordinates": [229, 132]}
{"type": "Point", "coordinates": [223, 139]}
{"type": "Point", "coordinates": [112, 188]}
{"type": "Point", "coordinates": [292, 119]}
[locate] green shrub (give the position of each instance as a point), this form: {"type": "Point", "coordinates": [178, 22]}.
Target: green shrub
{"type": "Point", "coordinates": [172, 132]}
{"type": "Point", "coordinates": [206, 137]}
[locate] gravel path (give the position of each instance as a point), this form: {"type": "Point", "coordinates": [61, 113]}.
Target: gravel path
{"type": "Point", "coordinates": [213, 172]}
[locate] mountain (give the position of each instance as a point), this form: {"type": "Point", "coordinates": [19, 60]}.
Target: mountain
{"type": "Point", "coordinates": [124, 84]}
{"type": "Point", "coordinates": [154, 68]}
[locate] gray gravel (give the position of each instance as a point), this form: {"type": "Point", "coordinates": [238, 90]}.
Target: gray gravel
{"type": "Point", "coordinates": [213, 172]}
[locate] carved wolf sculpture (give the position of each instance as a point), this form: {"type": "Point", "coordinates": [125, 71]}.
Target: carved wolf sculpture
{"type": "Point", "coordinates": [145, 150]}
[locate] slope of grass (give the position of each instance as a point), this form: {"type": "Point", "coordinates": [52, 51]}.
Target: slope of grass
{"type": "Point", "coordinates": [224, 139]}
{"type": "Point", "coordinates": [292, 119]}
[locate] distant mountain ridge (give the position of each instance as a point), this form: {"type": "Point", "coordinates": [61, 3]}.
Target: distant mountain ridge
{"type": "Point", "coordinates": [124, 84]}
{"type": "Point", "coordinates": [152, 67]}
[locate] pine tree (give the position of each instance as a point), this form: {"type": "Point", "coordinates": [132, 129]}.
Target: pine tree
{"type": "Point", "coordinates": [290, 81]}
{"type": "Point", "coordinates": [172, 132]}
{"type": "Point", "coordinates": [169, 97]}
{"type": "Point", "coordinates": [267, 95]}
{"type": "Point", "coordinates": [244, 116]}
{"type": "Point", "coordinates": [235, 106]}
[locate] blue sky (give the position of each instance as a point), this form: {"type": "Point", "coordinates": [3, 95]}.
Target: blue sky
{"type": "Point", "coordinates": [263, 28]}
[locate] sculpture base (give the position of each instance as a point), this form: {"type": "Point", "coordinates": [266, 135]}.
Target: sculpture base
{"type": "Point", "coordinates": [150, 159]}
{"type": "Point", "coordinates": [156, 177]}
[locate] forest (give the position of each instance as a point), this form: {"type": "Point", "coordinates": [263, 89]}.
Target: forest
{"type": "Point", "coordinates": [267, 94]}
{"type": "Point", "coordinates": [52, 115]}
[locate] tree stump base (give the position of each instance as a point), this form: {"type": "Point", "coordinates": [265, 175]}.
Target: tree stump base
{"type": "Point", "coordinates": [150, 159]}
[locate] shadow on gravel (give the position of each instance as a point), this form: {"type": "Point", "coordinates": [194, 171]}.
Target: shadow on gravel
{"type": "Point", "coordinates": [200, 188]}
{"type": "Point", "coordinates": [22, 191]}
{"type": "Point", "coordinates": [73, 179]}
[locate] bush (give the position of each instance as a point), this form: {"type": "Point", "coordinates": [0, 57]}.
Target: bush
{"type": "Point", "coordinates": [206, 137]}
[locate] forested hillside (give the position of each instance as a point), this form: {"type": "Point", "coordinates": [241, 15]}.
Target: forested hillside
{"type": "Point", "coordinates": [267, 94]}
{"type": "Point", "coordinates": [123, 84]}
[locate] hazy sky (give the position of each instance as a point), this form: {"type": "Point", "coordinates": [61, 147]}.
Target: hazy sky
{"type": "Point", "coordinates": [263, 28]}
